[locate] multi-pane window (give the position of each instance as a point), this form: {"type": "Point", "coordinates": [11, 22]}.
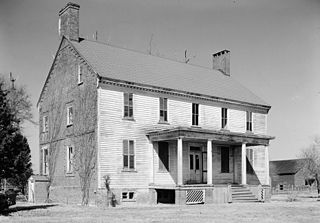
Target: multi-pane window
{"type": "Point", "coordinates": [128, 105]}
{"type": "Point", "coordinates": [163, 109]}
{"type": "Point", "coordinates": [224, 117]}
{"type": "Point", "coordinates": [249, 121]}
{"type": "Point", "coordinates": [163, 148]}
{"type": "Point", "coordinates": [80, 74]}
{"type": "Point", "coordinates": [128, 155]}
{"type": "Point", "coordinates": [69, 115]}
{"type": "Point", "coordinates": [195, 114]}
{"type": "Point", "coordinates": [45, 126]}
{"type": "Point", "coordinates": [224, 159]}
{"type": "Point", "coordinates": [128, 196]}
{"type": "Point", "coordinates": [45, 161]}
{"type": "Point", "coordinates": [70, 159]}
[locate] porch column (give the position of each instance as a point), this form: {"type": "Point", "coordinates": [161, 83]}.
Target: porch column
{"type": "Point", "coordinates": [179, 157]}
{"type": "Point", "coordinates": [266, 159]}
{"type": "Point", "coordinates": [243, 164]}
{"type": "Point", "coordinates": [209, 162]}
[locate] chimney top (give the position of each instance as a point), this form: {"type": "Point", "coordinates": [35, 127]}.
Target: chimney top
{"type": "Point", "coordinates": [69, 21]}
{"type": "Point", "coordinates": [221, 62]}
{"type": "Point", "coordinates": [69, 5]}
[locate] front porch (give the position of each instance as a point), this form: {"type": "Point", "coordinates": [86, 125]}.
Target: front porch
{"type": "Point", "coordinates": [198, 162]}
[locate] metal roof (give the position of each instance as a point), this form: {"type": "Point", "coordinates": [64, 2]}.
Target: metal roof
{"type": "Point", "coordinates": [136, 67]}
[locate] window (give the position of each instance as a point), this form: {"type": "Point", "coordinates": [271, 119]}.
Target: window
{"type": "Point", "coordinates": [163, 156]}
{"type": "Point", "coordinates": [249, 121]}
{"type": "Point", "coordinates": [128, 105]}
{"type": "Point", "coordinates": [45, 126]}
{"type": "Point", "coordinates": [45, 161]}
{"type": "Point", "coordinates": [163, 109]}
{"type": "Point", "coordinates": [80, 74]}
{"type": "Point", "coordinates": [70, 159]}
{"type": "Point", "coordinates": [224, 159]}
{"type": "Point", "coordinates": [249, 161]}
{"type": "Point", "coordinates": [128, 196]}
{"type": "Point", "coordinates": [195, 114]}
{"type": "Point", "coordinates": [128, 155]}
{"type": "Point", "coordinates": [224, 117]}
{"type": "Point", "coordinates": [69, 115]}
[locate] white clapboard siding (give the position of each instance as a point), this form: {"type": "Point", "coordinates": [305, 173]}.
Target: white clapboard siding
{"type": "Point", "coordinates": [236, 120]}
{"type": "Point", "coordinates": [113, 129]}
{"type": "Point", "coordinates": [210, 117]}
{"type": "Point", "coordinates": [259, 162]}
{"type": "Point", "coordinates": [259, 123]}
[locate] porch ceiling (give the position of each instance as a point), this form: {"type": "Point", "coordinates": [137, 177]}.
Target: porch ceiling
{"type": "Point", "coordinates": [220, 136]}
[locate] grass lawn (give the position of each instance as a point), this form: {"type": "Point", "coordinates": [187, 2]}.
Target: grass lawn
{"type": "Point", "coordinates": [274, 211]}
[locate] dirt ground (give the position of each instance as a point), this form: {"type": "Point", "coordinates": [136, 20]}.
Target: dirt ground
{"type": "Point", "coordinates": [278, 210]}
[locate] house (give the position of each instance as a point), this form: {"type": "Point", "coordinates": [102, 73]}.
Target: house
{"type": "Point", "coordinates": [164, 131]}
{"type": "Point", "coordinates": [286, 174]}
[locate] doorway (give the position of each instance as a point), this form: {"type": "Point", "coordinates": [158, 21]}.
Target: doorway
{"type": "Point", "coordinates": [195, 164]}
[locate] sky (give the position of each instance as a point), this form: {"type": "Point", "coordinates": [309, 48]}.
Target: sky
{"type": "Point", "coordinates": [274, 44]}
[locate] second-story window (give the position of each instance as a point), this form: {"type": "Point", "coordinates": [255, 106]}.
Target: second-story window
{"type": "Point", "coordinates": [128, 105]}
{"type": "Point", "coordinates": [195, 114]}
{"type": "Point", "coordinates": [224, 117]}
{"type": "Point", "coordinates": [69, 115]}
{"type": "Point", "coordinates": [80, 74]}
{"type": "Point", "coordinates": [163, 109]}
{"type": "Point", "coordinates": [249, 121]}
{"type": "Point", "coordinates": [45, 123]}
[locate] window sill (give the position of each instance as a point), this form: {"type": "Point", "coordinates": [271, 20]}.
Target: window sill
{"type": "Point", "coordinates": [128, 119]}
{"type": "Point", "coordinates": [80, 83]}
{"type": "Point", "coordinates": [163, 171]}
{"type": "Point", "coordinates": [164, 122]}
{"type": "Point", "coordinates": [195, 126]}
{"type": "Point", "coordinates": [129, 171]}
{"type": "Point", "coordinates": [70, 174]}
{"type": "Point", "coordinates": [249, 132]}
{"type": "Point", "coordinates": [125, 200]}
{"type": "Point", "coordinates": [225, 129]}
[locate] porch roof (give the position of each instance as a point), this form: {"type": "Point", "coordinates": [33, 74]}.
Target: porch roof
{"type": "Point", "coordinates": [218, 136]}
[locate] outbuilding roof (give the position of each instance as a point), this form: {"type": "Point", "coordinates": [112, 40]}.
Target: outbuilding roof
{"type": "Point", "coordinates": [282, 167]}
{"type": "Point", "coordinates": [135, 67]}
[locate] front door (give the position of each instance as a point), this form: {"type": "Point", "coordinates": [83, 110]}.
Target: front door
{"type": "Point", "coordinates": [195, 164]}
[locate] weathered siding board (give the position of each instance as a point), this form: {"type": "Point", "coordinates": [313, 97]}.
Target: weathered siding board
{"type": "Point", "coordinates": [237, 121]}
{"type": "Point", "coordinates": [179, 113]}
{"type": "Point", "coordinates": [210, 117]}
{"type": "Point", "coordinates": [259, 123]}
{"type": "Point", "coordinates": [259, 163]}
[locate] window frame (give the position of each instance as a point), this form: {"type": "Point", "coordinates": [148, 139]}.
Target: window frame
{"type": "Point", "coordinates": [224, 118]}
{"type": "Point", "coordinates": [70, 167]}
{"type": "Point", "coordinates": [127, 105]}
{"type": "Point", "coordinates": [195, 114]}
{"type": "Point", "coordinates": [225, 168]}
{"type": "Point", "coordinates": [70, 120]}
{"type": "Point", "coordinates": [128, 155]}
{"type": "Point", "coordinates": [45, 162]}
{"type": "Point", "coordinates": [45, 123]}
{"type": "Point", "coordinates": [163, 109]}
{"type": "Point", "coordinates": [249, 121]}
{"type": "Point", "coordinates": [162, 167]}
{"type": "Point", "coordinates": [80, 74]}
{"type": "Point", "coordinates": [127, 194]}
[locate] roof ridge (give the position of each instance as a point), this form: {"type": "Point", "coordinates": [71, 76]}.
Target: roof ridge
{"type": "Point", "coordinates": [152, 55]}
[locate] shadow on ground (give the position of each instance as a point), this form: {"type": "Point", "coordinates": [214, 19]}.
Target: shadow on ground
{"type": "Point", "coordinates": [18, 207]}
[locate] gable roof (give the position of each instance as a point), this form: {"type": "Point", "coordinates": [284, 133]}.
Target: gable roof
{"type": "Point", "coordinates": [282, 167]}
{"type": "Point", "coordinates": [131, 66]}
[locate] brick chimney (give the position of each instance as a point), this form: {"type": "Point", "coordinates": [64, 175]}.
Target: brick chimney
{"type": "Point", "coordinates": [221, 62]}
{"type": "Point", "coordinates": [69, 22]}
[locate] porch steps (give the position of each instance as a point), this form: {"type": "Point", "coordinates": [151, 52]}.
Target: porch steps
{"type": "Point", "coordinates": [241, 194]}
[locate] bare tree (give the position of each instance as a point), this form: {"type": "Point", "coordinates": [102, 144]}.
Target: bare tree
{"type": "Point", "coordinates": [19, 100]}
{"type": "Point", "coordinates": [311, 164]}
{"type": "Point", "coordinates": [85, 145]}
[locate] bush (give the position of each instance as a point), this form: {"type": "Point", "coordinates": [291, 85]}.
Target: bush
{"type": "Point", "coordinates": [292, 196]}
